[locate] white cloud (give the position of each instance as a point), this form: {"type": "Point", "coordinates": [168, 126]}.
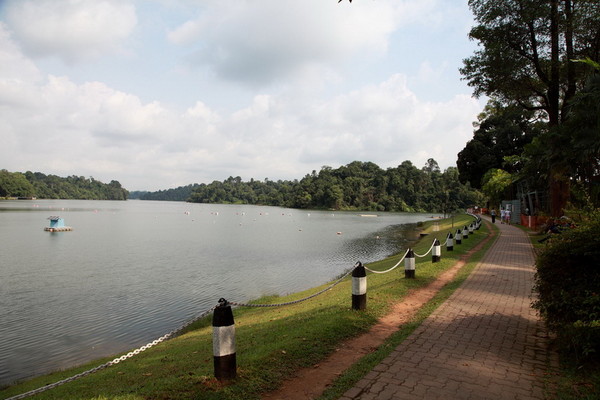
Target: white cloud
{"type": "Point", "coordinates": [251, 44]}
{"type": "Point", "coordinates": [316, 116]}
{"type": "Point", "coordinates": [387, 124]}
{"type": "Point", "coordinates": [72, 30]}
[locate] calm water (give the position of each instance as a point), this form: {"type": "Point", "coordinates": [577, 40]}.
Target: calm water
{"type": "Point", "coordinates": [132, 271]}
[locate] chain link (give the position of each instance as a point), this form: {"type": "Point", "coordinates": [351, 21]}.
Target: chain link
{"type": "Point", "coordinates": [115, 361]}
{"type": "Point", "coordinates": [391, 269]}
{"type": "Point", "coordinates": [418, 255]}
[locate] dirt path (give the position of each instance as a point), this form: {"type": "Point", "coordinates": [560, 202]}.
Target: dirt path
{"type": "Point", "coordinates": [310, 383]}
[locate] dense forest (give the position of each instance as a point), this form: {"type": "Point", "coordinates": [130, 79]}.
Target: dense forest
{"type": "Point", "coordinates": [181, 193]}
{"type": "Point", "coordinates": [36, 184]}
{"type": "Point", "coordinates": [356, 186]}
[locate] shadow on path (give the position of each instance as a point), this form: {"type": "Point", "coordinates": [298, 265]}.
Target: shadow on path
{"type": "Point", "coordinates": [484, 342]}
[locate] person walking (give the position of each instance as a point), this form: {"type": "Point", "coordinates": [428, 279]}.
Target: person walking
{"type": "Point", "coordinates": [507, 216]}
{"type": "Point", "coordinates": [493, 214]}
{"type": "Point", "coordinates": [502, 215]}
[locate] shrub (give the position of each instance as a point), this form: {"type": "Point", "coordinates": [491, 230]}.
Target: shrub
{"type": "Point", "coordinates": [568, 286]}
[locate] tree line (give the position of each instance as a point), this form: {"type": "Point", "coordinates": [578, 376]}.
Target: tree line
{"type": "Point", "coordinates": [39, 185]}
{"type": "Point", "coordinates": [180, 193]}
{"type": "Point", "coordinates": [356, 186]}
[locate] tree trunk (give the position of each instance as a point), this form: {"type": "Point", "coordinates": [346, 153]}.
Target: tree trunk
{"type": "Point", "coordinates": [559, 185]}
{"type": "Point", "coordinates": [571, 85]}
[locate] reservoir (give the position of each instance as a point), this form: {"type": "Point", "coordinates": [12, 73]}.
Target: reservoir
{"type": "Point", "coordinates": [131, 271]}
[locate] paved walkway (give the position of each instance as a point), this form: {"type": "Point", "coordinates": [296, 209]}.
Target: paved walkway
{"type": "Point", "coordinates": [484, 342]}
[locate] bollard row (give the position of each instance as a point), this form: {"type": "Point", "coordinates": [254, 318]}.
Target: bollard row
{"type": "Point", "coordinates": [224, 353]}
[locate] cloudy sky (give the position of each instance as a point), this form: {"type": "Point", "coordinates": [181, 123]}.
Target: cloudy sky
{"type": "Point", "coordinates": [163, 93]}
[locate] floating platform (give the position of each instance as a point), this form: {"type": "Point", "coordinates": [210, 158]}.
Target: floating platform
{"type": "Point", "coordinates": [61, 229]}
{"type": "Point", "coordinates": [57, 224]}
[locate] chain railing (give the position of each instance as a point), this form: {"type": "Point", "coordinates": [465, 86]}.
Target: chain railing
{"type": "Point", "coordinates": [390, 269]}
{"type": "Point", "coordinates": [428, 251]}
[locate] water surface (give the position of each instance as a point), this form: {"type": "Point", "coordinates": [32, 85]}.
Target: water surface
{"type": "Point", "coordinates": [132, 271]}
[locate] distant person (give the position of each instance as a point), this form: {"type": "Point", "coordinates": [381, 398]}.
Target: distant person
{"type": "Point", "coordinates": [502, 215]}
{"type": "Point", "coordinates": [507, 216]}
{"type": "Point", "coordinates": [493, 214]}
{"type": "Point", "coordinates": [551, 228]}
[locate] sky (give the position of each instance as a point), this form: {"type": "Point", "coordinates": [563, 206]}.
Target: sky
{"type": "Point", "coordinates": [158, 94]}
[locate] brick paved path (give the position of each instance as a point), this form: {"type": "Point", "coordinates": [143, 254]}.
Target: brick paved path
{"type": "Point", "coordinates": [484, 342]}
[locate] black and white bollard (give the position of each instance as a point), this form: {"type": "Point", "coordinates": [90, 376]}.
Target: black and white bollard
{"type": "Point", "coordinates": [450, 242]}
{"type": "Point", "coordinates": [409, 265]}
{"type": "Point", "coordinates": [359, 287]}
{"type": "Point", "coordinates": [458, 236]}
{"type": "Point", "coordinates": [465, 233]}
{"type": "Point", "coordinates": [436, 252]}
{"type": "Point", "coordinates": [224, 342]}
{"type": "Point", "coordinates": [471, 228]}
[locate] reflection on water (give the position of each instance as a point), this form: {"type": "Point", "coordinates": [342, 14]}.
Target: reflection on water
{"type": "Point", "coordinates": [131, 271]}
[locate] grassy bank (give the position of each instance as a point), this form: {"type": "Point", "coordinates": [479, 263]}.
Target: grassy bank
{"type": "Point", "coordinates": [271, 342]}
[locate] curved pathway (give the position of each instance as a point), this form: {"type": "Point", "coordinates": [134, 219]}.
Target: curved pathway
{"type": "Point", "coordinates": [484, 342]}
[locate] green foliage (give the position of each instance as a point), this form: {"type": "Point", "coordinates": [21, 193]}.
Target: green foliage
{"type": "Point", "coordinates": [524, 58]}
{"type": "Point", "coordinates": [583, 132]}
{"type": "Point", "coordinates": [181, 193]}
{"type": "Point", "coordinates": [575, 149]}
{"type": "Point", "coordinates": [568, 286]}
{"type": "Point", "coordinates": [15, 184]}
{"type": "Point", "coordinates": [356, 186]}
{"type": "Point", "coordinates": [36, 184]}
{"type": "Point", "coordinates": [502, 132]}
{"type": "Point", "coordinates": [520, 59]}
{"type": "Point", "coordinates": [495, 182]}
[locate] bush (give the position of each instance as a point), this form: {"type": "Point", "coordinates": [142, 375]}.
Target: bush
{"type": "Point", "coordinates": [568, 286]}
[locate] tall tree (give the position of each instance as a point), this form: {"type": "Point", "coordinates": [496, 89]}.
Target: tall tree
{"type": "Point", "coordinates": [583, 131]}
{"type": "Point", "coordinates": [524, 58]}
{"type": "Point", "coordinates": [502, 131]}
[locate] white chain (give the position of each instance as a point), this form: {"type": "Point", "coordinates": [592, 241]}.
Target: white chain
{"type": "Point", "coordinates": [386, 271]}
{"type": "Point", "coordinates": [418, 255]}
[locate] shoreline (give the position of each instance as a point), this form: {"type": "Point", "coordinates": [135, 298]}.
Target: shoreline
{"type": "Point", "coordinates": [410, 232]}
{"type": "Point", "coordinates": [417, 229]}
